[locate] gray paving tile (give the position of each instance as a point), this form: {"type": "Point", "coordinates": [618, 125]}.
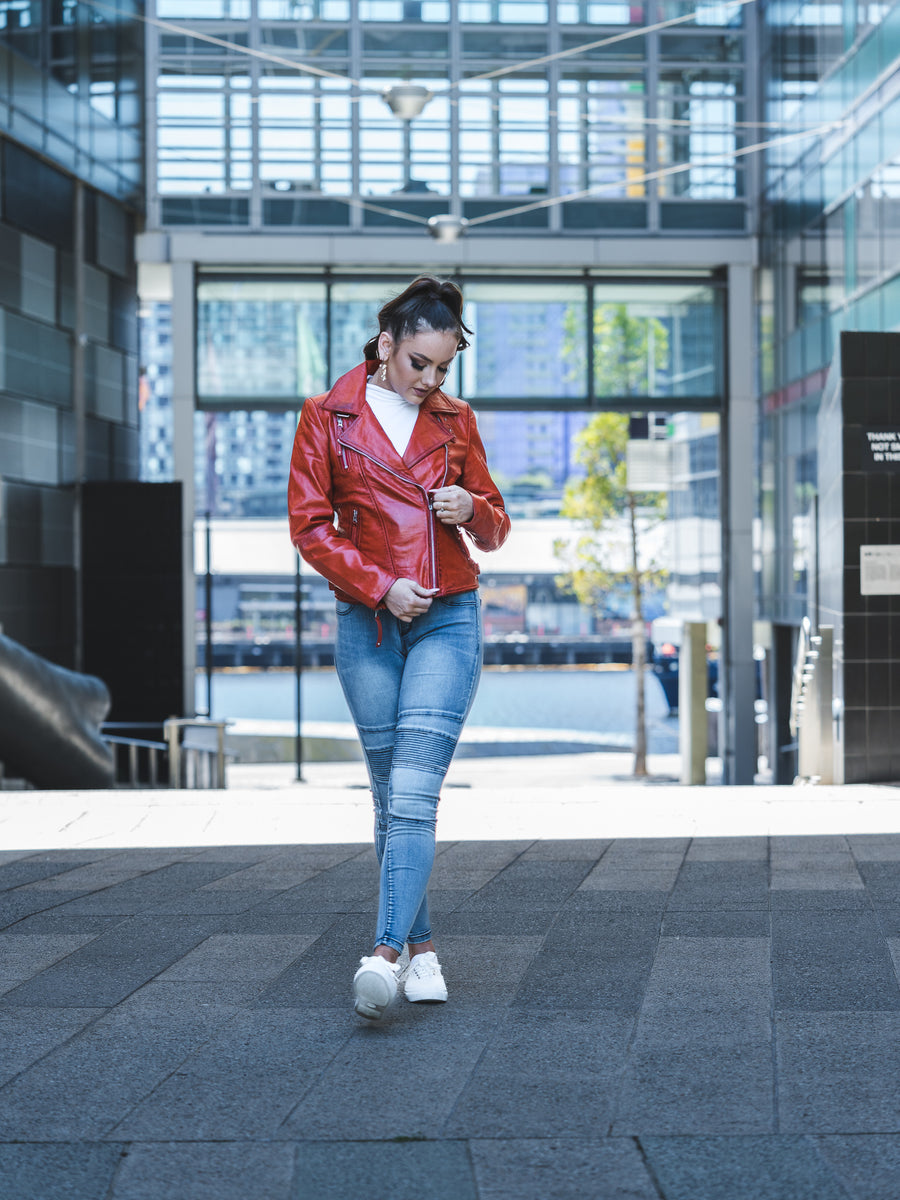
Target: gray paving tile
{"type": "Point", "coordinates": [348, 887]}
{"type": "Point", "coordinates": [239, 956]}
{"type": "Point", "coordinates": [882, 880]}
{"type": "Point", "coordinates": [150, 888]}
{"type": "Point", "coordinates": [27, 1034]}
{"type": "Point", "coordinates": [64, 1172]}
{"type": "Point", "coordinates": [716, 924]}
{"type": "Point", "coordinates": [478, 922]}
{"type": "Point", "coordinates": [831, 960]}
{"type": "Point", "coordinates": [281, 872]}
{"type": "Point", "coordinates": [113, 965]}
{"type": "Point", "coordinates": [206, 1171]}
{"type": "Point", "coordinates": [601, 963]}
{"type": "Point", "coordinates": [244, 1082]}
{"type": "Point", "coordinates": [630, 879]}
{"type": "Point", "coordinates": [889, 919]}
{"type": "Point", "coordinates": [243, 854]}
{"type": "Point", "coordinates": [598, 900]}
{"type": "Point", "coordinates": [728, 849]}
{"type": "Point", "coordinates": [217, 999]}
{"type": "Point", "coordinates": [693, 1090]}
{"type": "Point", "coordinates": [202, 903]}
{"type": "Point", "coordinates": [335, 1171]}
{"type": "Point", "coordinates": [366, 1092]}
{"type": "Point", "coordinates": [283, 923]}
{"type": "Point", "coordinates": [813, 879]}
{"type": "Point", "coordinates": [809, 843]}
{"type": "Point", "coordinates": [721, 885]}
{"type": "Point", "coordinates": [799, 858]}
{"type": "Point", "coordinates": [705, 993]}
{"type": "Point", "coordinates": [867, 1164]}
{"type": "Point", "coordinates": [651, 845]}
{"type": "Point", "coordinates": [478, 855]}
{"type": "Point", "coordinates": [701, 1060]}
{"type": "Point", "coordinates": [546, 1074]}
{"type": "Point", "coordinates": [551, 1168]}
{"type": "Point", "coordinates": [530, 882]}
{"type": "Point", "coordinates": [459, 880]}
{"type": "Point", "coordinates": [24, 955]}
{"type": "Point", "coordinates": [894, 948]}
{"type": "Point", "coordinates": [23, 871]}
{"type": "Point", "coordinates": [568, 850]}
{"type": "Point", "coordinates": [875, 847]}
{"type": "Point", "coordinates": [59, 922]}
{"type": "Point", "coordinates": [838, 1072]}
{"type": "Point", "coordinates": [745, 1168]}
{"type": "Point", "coordinates": [322, 976]}
{"type": "Point", "coordinates": [16, 906]}
{"type": "Point", "coordinates": [102, 873]}
{"type": "Point", "coordinates": [81, 1090]}
{"type": "Point", "coordinates": [796, 899]}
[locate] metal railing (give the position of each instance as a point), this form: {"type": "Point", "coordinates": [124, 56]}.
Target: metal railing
{"type": "Point", "coordinates": [196, 752]}
{"type": "Point", "coordinates": [191, 754]}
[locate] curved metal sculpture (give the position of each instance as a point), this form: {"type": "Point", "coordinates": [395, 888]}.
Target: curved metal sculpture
{"type": "Point", "coordinates": [49, 722]}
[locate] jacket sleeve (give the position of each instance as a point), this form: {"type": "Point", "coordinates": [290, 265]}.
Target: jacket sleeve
{"type": "Point", "coordinates": [311, 514]}
{"type": "Point", "coordinates": [489, 526]}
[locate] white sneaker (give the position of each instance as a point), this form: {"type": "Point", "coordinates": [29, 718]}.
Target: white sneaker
{"type": "Point", "coordinates": [423, 980]}
{"type": "Point", "coordinates": [374, 986]}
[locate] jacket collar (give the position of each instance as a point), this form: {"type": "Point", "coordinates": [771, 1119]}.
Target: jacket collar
{"type": "Point", "coordinates": [348, 394]}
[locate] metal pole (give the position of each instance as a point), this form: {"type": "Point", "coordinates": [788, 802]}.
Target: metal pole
{"type": "Point", "coordinates": [298, 666]}
{"type": "Point", "coordinates": [208, 622]}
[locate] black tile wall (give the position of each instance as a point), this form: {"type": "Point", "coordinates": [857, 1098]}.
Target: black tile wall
{"type": "Point", "coordinates": [859, 505]}
{"type": "Point", "coordinates": [38, 427]}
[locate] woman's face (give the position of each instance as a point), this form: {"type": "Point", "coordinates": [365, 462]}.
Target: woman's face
{"type": "Point", "coordinates": [417, 365]}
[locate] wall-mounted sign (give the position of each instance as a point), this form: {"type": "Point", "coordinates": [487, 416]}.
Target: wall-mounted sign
{"type": "Point", "coordinates": [879, 570]}
{"type": "Point", "coordinates": [881, 449]}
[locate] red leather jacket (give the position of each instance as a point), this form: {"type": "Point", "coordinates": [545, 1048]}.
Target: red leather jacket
{"type": "Point", "coordinates": [361, 515]}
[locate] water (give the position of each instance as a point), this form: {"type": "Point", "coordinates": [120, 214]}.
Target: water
{"type": "Point", "coordinates": [537, 698]}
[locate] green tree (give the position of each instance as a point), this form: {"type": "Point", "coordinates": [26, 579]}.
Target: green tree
{"type": "Point", "coordinates": [627, 353]}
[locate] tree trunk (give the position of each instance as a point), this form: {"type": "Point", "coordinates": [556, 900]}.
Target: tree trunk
{"type": "Point", "coordinates": [638, 647]}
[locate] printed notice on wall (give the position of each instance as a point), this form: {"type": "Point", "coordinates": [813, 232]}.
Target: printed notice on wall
{"type": "Point", "coordinates": [881, 449]}
{"type": "Point", "coordinates": [879, 570]}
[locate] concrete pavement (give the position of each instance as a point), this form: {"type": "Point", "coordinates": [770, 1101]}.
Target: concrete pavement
{"type": "Point", "coordinates": [655, 992]}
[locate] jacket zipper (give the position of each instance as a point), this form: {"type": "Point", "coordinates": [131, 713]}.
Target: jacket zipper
{"type": "Point", "coordinates": [340, 425]}
{"type": "Point", "coordinates": [432, 552]}
{"type": "Point", "coordinates": [354, 532]}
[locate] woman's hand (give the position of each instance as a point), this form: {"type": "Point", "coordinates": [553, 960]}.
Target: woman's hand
{"type": "Point", "coordinates": [452, 505]}
{"type": "Point", "coordinates": [407, 599]}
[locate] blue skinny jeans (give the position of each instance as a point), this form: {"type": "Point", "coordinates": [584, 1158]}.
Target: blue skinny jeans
{"type": "Point", "coordinates": [409, 698]}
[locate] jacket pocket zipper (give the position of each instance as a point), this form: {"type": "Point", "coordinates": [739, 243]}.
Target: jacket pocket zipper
{"type": "Point", "coordinates": [354, 527]}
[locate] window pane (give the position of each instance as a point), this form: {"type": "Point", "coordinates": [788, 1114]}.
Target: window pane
{"type": "Point", "coordinates": [531, 347]}
{"type": "Point", "coordinates": [263, 339]}
{"type": "Point", "coordinates": [655, 340]}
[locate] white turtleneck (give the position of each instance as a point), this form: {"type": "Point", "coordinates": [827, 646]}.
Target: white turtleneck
{"type": "Point", "coordinates": [395, 415]}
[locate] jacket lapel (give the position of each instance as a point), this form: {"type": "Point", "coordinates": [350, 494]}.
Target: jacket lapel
{"type": "Point", "coordinates": [431, 432]}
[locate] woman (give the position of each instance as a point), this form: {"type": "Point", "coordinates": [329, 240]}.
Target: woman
{"type": "Point", "coordinates": [386, 472]}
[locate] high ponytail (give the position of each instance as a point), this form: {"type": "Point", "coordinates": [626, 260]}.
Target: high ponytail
{"type": "Point", "coordinates": [428, 303]}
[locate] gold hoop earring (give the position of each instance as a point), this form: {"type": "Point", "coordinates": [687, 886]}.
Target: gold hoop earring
{"type": "Point", "coordinates": [384, 370]}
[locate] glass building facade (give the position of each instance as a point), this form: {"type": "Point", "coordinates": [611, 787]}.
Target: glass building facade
{"type": "Point", "coordinates": [71, 194]}
{"type": "Point", "coordinates": [830, 251]}
{"type": "Point", "coordinates": [721, 180]}
{"type": "Point", "coordinates": [270, 114]}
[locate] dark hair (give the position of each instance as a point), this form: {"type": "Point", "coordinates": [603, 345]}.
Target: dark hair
{"type": "Point", "coordinates": [428, 303]}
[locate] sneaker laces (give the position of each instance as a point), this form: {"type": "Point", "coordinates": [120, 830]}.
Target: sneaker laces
{"type": "Point", "coordinates": [424, 965]}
